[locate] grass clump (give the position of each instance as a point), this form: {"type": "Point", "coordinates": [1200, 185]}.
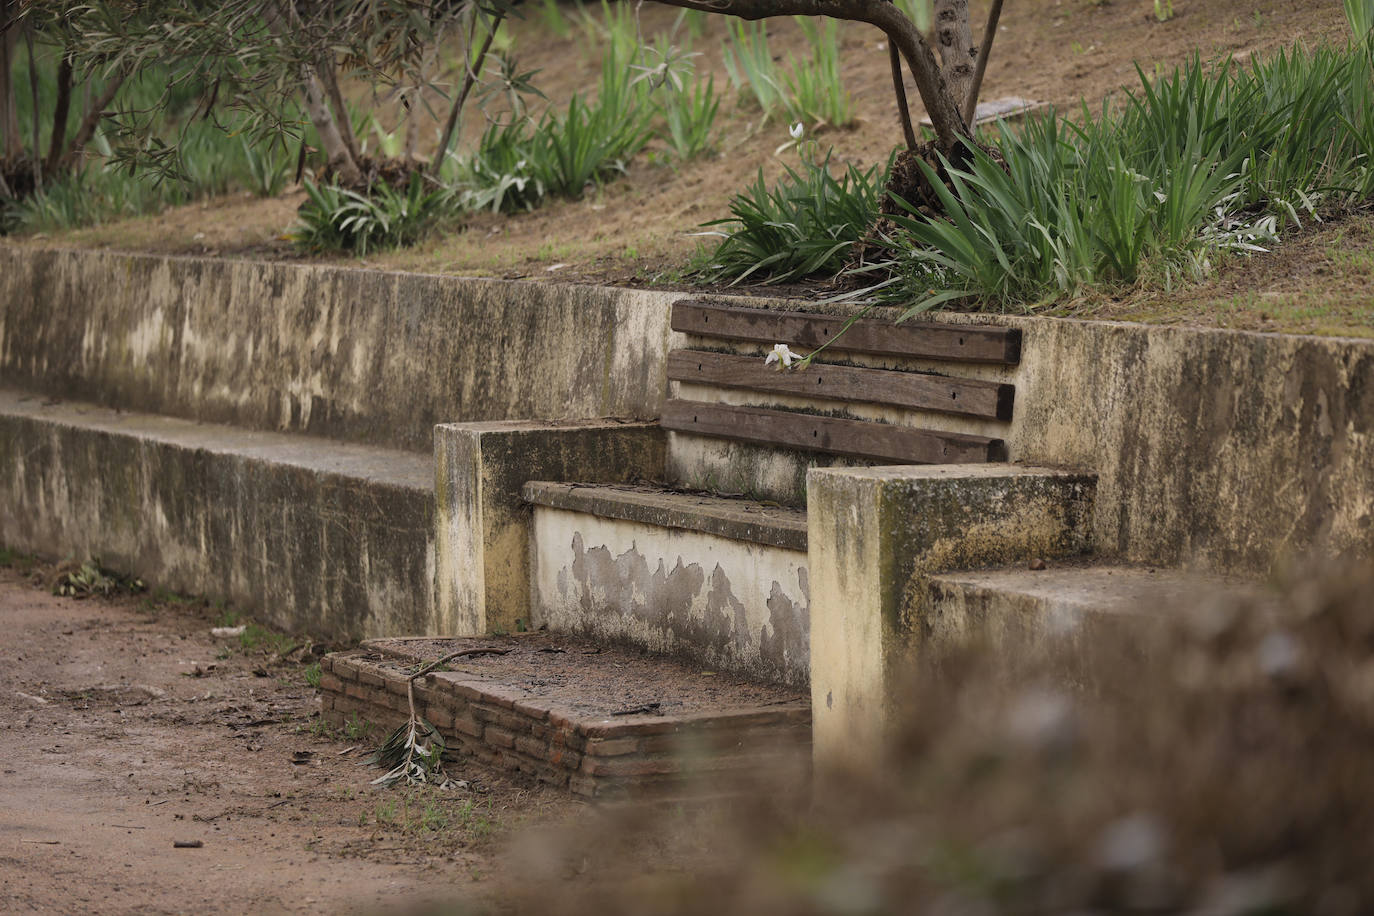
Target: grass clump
{"type": "Point", "coordinates": [803, 225]}
{"type": "Point", "coordinates": [339, 219]}
{"type": "Point", "coordinates": [1196, 165]}
{"type": "Point", "coordinates": [806, 90]}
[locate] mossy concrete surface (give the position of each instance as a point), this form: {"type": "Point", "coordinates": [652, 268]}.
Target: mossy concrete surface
{"type": "Point", "coordinates": [312, 536]}
{"type": "Point", "coordinates": [876, 537]}
{"type": "Point", "coordinates": [347, 353]}
{"type": "Point", "coordinates": [483, 523]}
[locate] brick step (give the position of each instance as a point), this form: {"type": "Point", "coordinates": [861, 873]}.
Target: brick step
{"type": "Point", "coordinates": [565, 711]}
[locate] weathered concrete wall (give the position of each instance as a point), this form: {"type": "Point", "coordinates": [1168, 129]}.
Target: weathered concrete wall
{"type": "Point", "coordinates": [330, 539]}
{"type": "Point", "coordinates": [732, 605]}
{"type": "Point", "coordinates": [483, 524]}
{"type": "Point", "coordinates": [875, 538]}
{"type": "Point", "coordinates": [1215, 450]}
{"type": "Point", "coordinates": [342, 352]}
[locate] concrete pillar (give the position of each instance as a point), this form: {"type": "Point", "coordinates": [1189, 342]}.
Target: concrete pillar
{"type": "Point", "coordinates": [876, 535]}
{"type": "Point", "coordinates": [482, 524]}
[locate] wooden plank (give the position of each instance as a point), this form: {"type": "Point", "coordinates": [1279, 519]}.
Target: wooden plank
{"type": "Point", "coordinates": [837, 436]}
{"type": "Point", "coordinates": [930, 340]}
{"type": "Point", "coordinates": [920, 391]}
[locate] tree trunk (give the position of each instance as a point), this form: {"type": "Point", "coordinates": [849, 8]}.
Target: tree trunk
{"type": "Point", "coordinates": [955, 41]}
{"type": "Point", "coordinates": [9, 109]}
{"type": "Point", "coordinates": [329, 79]}
{"type": "Point", "coordinates": [59, 115]}
{"type": "Point", "coordinates": [337, 151]}
{"type": "Point", "coordinates": [35, 158]}
{"type": "Point", "coordinates": [280, 17]}
{"type": "Point", "coordinates": [981, 67]}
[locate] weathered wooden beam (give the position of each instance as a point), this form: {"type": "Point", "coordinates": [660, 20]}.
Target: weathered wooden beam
{"type": "Point", "coordinates": [834, 435]}
{"type": "Point", "coordinates": [915, 390]}
{"type": "Point", "coordinates": [930, 340]}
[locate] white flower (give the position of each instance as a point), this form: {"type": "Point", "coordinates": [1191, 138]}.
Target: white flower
{"type": "Point", "coordinates": [782, 355]}
{"type": "Point", "coordinates": [796, 130]}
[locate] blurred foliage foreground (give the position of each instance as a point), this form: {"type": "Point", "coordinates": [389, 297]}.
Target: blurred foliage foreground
{"type": "Point", "coordinates": [1218, 759]}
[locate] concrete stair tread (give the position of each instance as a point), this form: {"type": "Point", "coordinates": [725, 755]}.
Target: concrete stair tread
{"type": "Point", "coordinates": [764, 523]}
{"type": "Point", "coordinates": [596, 719]}
{"type": "Point", "coordinates": [388, 466]}
{"type": "Point", "coordinates": [1097, 588]}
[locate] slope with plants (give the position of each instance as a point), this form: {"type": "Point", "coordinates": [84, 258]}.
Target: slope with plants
{"type": "Point", "coordinates": [642, 220]}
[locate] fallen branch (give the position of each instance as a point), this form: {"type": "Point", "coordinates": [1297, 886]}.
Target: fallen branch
{"type": "Point", "coordinates": [409, 737]}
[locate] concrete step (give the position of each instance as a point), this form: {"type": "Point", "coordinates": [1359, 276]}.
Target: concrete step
{"type": "Point", "coordinates": [721, 581]}
{"type": "Point", "coordinates": [309, 534]}
{"type": "Point", "coordinates": [599, 721]}
{"type": "Point", "coordinates": [1068, 600]}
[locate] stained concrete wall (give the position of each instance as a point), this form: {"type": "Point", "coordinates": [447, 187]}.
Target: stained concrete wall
{"type": "Point", "coordinates": [483, 524]}
{"type": "Point", "coordinates": [325, 538]}
{"type": "Point", "coordinates": [732, 605]}
{"type": "Point", "coordinates": [876, 536]}
{"type": "Point", "coordinates": [1220, 451]}
{"type": "Point", "coordinates": [342, 352]}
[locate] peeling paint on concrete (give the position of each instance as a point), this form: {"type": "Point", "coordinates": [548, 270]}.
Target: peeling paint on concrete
{"type": "Point", "coordinates": [729, 604]}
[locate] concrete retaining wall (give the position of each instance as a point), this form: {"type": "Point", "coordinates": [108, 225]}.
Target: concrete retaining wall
{"type": "Point", "coordinates": [334, 540]}
{"type": "Point", "coordinates": [1215, 450]}
{"type": "Point", "coordinates": [342, 352]}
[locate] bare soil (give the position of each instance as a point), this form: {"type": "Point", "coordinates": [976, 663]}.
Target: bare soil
{"type": "Point", "coordinates": [127, 727]}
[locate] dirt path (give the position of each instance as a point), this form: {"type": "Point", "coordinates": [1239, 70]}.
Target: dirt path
{"type": "Point", "coordinates": [125, 727]}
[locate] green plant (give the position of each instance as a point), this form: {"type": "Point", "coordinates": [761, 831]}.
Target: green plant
{"type": "Point", "coordinates": [1164, 10]}
{"type": "Point", "coordinates": [803, 225]}
{"type": "Point", "coordinates": [814, 94]}
{"type": "Point", "coordinates": [356, 727]}
{"type": "Point", "coordinates": [551, 15]}
{"type": "Point", "coordinates": [689, 115]}
{"type": "Point", "coordinates": [1200, 163]}
{"type": "Point", "coordinates": [519, 163]}
{"type": "Point", "coordinates": [90, 578]}
{"type": "Point", "coordinates": [338, 219]}
{"type": "Point", "coordinates": [313, 675]}
{"type": "Point", "coordinates": [808, 90]}
{"type": "Point", "coordinates": [1360, 15]}
{"type": "Point", "coordinates": [750, 65]}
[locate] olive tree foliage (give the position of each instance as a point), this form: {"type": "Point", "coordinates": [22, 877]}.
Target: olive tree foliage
{"type": "Point", "coordinates": [254, 64]}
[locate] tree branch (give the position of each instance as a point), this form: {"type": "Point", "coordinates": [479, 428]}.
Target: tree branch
{"type": "Point", "coordinates": [940, 104]}
{"type": "Point", "coordinates": [894, 58]}
{"type": "Point", "coordinates": [471, 70]}
{"type": "Point", "coordinates": [989, 33]}
{"type": "Point", "coordinates": [93, 115]}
